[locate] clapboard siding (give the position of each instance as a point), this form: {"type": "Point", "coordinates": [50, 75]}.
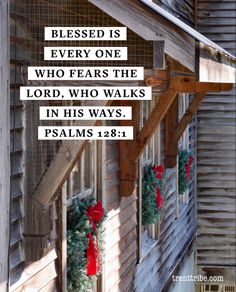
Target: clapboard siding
{"type": "Point", "coordinates": [183, 9]}
{"type": "Point", "coordinates": [156, 266]}
{"type": "Point", "coordinates": [216, 152]}
{"type": "Point", "coordinates": [212, 22]}
{"type": "Point", "coordinates": [17, 169]}
{"type": "Point", "coordinates": [120, 228]}
{"type": "Point", "coordinates": [34, 275]}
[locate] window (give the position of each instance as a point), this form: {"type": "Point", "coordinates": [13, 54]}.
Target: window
{"type": "Point", "coordinates": [84, 180]}
{"type": "Point", "coordinates": [151, 155]}
{"type": "Point", "coordinates": [183, 144]}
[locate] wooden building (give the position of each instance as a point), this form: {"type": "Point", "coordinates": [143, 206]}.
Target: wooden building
{"type": "Point", "coordinates": [40, 179]}
{"type": "Point", "coordinates": [216, 157]}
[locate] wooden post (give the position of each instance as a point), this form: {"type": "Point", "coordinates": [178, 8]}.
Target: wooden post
{"type": "Point", "coordinates": [171, 124]}
{"type": "Point", "coordinates": [37, 229]}
{"type": "Point", "coordinates": [159, 54]}
{"type": "Point", "coordinates": [4, 145]}
{"type": "Point", "coordinates": [64, 239]}
{"type": "Point", "coordinates": [128, 167]}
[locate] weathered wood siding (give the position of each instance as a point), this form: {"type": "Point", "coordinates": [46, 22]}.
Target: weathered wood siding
{"type": "Point", "coordinates": [16, 134]}
{"type": "Point", "coordinates": [23, 275]}
{"type": "Point", "coordinates": [120, 234]}
{"type": "Point", "coordinates": [216, 154]}
{"type": "Point", "coordinates": [120, 228]}
{"type": "Point", "coordinates": [4, 144]}
{"type": "Point", "coordinates": [156, 266]}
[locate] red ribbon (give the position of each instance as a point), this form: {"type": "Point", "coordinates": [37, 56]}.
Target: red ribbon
{"type": "Point", "coordinates": [158, 198]}
{"type": "Point", "coordinates": [95, 214]}
{"type": "Point", "coordinates": [158, 170]}
{"type": "Point", "coordinates": [188, 167]}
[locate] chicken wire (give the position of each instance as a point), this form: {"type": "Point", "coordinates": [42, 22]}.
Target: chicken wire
{"type": "Point", "coordinates": [43, 13]}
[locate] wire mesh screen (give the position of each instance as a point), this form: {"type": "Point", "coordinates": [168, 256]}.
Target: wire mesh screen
{"type": "Point", "coordinates": [43, 13]}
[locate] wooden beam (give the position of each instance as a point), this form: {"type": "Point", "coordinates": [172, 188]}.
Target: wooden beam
{"type": "Point", "coordinates": [4, 145]}
{"type": "Point", "coordinates": [152, 27]}
{"type": "Point", "coordinates": [154, 119]}
{"type": "Point", "coordinates": [171, 121]}
{"type": "Point", "coordinates": [157, 79]}
{"type": "Point", "coordinates": [187, 117]}
{"type": "Point", "coordinates": [159, 55]}
{"type": "Point", "coordinates": [177, 84]}
{"type": "Point", "coordinates": [70, 151]}
{"type": "Point", "coordinates": [188, 84]}
{"type": "Point", "coordinates": [128, 167]}
{"type": "Point", "coordinates": [164, 102]}
{"type": "Point", "coordinates": [36, 232]}
{"type": "Point", "coordinates": [209, 87]}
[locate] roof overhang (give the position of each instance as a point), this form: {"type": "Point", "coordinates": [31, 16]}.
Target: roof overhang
{"type": "Point", "coordinates": [208, 60]}
{"type": "Point", "coordinates": [213, 63]}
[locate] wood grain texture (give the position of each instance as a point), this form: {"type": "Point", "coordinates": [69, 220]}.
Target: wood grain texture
{"type": "Point", "coordinates": [151, 273]}
{"type": "Point", "coordinates": [152, 122]}
{"type": "Point", "coordinates": [216, 157]}
{"type": "Point", "coordinates": [4, 145]}
{"type": "Point", "coordinates": [187, 117]}
{"type": "Point", "coordinates": [151, 26]}
{"type": "Point", "coordinates": [171, 120]}
{"type": "Point", "coordinates": [180, 84]}
{"type": "Point", "coordinates": [19, 272]}
{"type": "Point", "coordinates": [129, 167]}
{"type": "Point", "coordinates": [120, 228]}
{"type": "Point", "coordinates": [61, 166]}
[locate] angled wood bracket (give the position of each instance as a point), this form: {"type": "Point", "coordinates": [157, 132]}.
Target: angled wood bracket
{"type": "Point", "coordinates": [133, 149]}
{"type": "Point", "coordinates": [175, 129]}
{"type": "Point", "coordinates": [166, 105]}
{"type": "Point", "coordinates": [187, 117]}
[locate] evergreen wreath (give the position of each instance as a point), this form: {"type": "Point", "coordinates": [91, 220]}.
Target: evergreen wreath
{"type": "Point", "coordinates": [84, 242]}
{"type": "Point", "coordinates": [185, 171]}
{"type": "Point", "coordinates": [153, 191]}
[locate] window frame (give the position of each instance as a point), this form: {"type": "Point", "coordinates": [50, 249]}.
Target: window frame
{"type": "Point", "coordinates": [97, 190]}
{"type": "Point", "coordinates": [148, 237]}
{"type": "Point", "coordinates": [182, 201]}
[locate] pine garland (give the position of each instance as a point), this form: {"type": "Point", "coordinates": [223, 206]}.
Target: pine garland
{"type": "Point", "coordinates": [185, 171]}
{"type": "Point", "coordinates": [153, 190]}
{"type": "Point", "coordinates": [78, 228]}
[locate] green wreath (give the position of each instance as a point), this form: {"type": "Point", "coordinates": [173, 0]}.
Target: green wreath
{"type": "Point", "coordinates": [78, 227]}
{"type": "Point", "coordinates": [153, 191]}
{"type": "Point", "coordinates": [185, 171]}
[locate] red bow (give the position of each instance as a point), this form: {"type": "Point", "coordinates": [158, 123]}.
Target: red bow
{"type": "Point", "coordinates": [158, 171]}
{"type": "Point", "coordinates": [158, 198]}
{"type": "Point", "coordinates": [188, 167]}
{"type": "Point", "coordinates": [95, 214]}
